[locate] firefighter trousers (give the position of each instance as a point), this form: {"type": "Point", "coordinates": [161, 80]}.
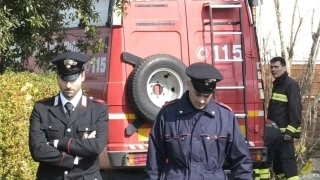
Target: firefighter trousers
{"type": "Point", "coordinates": [281, 154]}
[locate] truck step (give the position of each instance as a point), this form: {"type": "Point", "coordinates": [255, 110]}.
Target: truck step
{"type": "Point", "coordinates": [227, 33]}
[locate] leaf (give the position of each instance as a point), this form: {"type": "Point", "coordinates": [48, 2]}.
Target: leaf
{"type": "Point", "coordinates": [307, 168]}
{"type": "Point", "coordinates": [19, 91]}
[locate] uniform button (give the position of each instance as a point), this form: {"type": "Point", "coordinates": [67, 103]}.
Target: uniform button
{"type": "Point", "coordinates": [49, 127]}
{"type": "Point", "coordinates": [68, 130]}
{"type": "Point", "coordinates": [66, 172]}
{"type": "Point", "coordinates": [215, 136]}
{"type": "Point", "coordinates": [87, 129]}
{"type": "Point", "coordinates": [194, 139]}
{"type": "Point", "coordinates": [180, 112]}
{"type": "Point", "coordinates": [213, 112]}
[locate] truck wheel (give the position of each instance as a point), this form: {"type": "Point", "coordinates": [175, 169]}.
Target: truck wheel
{"type": "Point", "coordinates": [156, 80]}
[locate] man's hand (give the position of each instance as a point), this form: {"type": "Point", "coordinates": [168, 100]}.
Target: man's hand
{"type": "Point", "coordinates": [287, 137]}
{"type": "Point", "coordinates": [85, 136]}
{"type": "Point", "coordinates": [92, 135]}
{"type": "Point", "coordinates": [89, 136]}
{"type": "Point", "coordinates": [53, 143]}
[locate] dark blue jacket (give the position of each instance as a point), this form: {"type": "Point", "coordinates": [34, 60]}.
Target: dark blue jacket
{"type": "Point", "coordinates": [49, 122]}
{"type": "Point", "coordinates": [191, 144]}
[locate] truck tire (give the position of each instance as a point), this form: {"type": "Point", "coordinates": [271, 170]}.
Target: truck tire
{"type": "Point", "coordinates": [156, 80]}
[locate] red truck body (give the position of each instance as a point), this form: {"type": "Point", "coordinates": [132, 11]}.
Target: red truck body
{"type": "Point", "coordinates": [149, 45]}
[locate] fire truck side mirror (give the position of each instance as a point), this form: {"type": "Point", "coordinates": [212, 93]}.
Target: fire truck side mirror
{"type": "Point", "coordinates": [108, 23]}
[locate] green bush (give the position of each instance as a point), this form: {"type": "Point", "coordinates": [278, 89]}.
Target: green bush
{"type": "Point", "coordinates": [19, 91]}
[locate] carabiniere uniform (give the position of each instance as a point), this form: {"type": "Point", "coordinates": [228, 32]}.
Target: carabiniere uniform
{"type": "Point", "coordinates": [49, 122]}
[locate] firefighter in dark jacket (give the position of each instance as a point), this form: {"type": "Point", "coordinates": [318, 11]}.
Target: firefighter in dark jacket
{"type": "Point", "coordinates": [68, 131]}
{"type": "Point", "coordinates": [192, 137]}
{"type": "Point", "coordinates": [285, 111]}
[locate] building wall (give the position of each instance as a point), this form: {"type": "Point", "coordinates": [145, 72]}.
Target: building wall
{"type": "Point", "coordinates": [298, 71]}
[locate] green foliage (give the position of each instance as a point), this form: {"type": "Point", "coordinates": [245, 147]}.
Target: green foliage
{"type": "Point", "coordinates": [19, 91]}
{"type": "Point", "coordinates": [36, 28]}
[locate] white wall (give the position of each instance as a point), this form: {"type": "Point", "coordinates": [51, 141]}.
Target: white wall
{"type": "Point", "coordinates": [101, 7]}
{"type": "Point", "coordinates": [267, 26]}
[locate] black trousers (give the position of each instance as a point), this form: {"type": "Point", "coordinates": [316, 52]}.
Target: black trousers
{"type": "Point", "coordinates": [281, 153]}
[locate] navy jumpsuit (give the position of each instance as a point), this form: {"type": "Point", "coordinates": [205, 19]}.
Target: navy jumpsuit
{"type": "Point", "coordinates": [190, 144]}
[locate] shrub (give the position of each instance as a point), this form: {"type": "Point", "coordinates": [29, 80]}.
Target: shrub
{"type": "Point", "coordinates": [19, 91]}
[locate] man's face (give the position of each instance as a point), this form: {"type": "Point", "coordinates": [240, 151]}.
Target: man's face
{"type": "Point", "coordinates": [198, 101]}
{"type": "Point", "coordinates": [277, 69]}
{"type": "Point", "coordinates": [70, 88]}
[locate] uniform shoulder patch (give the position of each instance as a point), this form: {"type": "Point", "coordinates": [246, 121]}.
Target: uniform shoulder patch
{"type": "Point", "coordinates": [43, 100]}
{"type": "Point", "coordinates": [98, 101]}
{"type": "Point", "coordinates": [170, 102]}
{"type": "Point", "coordinates": [224, 105]}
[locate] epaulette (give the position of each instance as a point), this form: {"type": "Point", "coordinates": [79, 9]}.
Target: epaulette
{"type": "Point", "coordinates": [170, 102]}
{"type": "Point", "coordinates": [43, 100]}
{"type": "Point", "coordinates": [97, 100]}
{"type": "Point", "coordinates": [224, 105]}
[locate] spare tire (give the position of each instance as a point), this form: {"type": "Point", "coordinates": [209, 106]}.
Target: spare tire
{"type": "Point", "coordinates": [156, 80]}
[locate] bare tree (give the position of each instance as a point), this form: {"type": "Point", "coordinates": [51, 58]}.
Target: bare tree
{"type": "Point", "coordinates": [288, 51]}
{"type": "Point", "coordinates": [310, 136]}
{"type": "Point", "coordinates": [309, 144]}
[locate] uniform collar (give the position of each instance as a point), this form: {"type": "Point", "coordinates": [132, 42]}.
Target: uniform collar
{"type": "Point", "coordinates": [73, 101]}
{"type": "Point", "coordinates": [185, 106]}
{"type": "Point", "coordinates": [281, 78]}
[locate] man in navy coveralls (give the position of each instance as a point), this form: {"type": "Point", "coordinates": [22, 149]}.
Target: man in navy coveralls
{"type": "Point", "coordinates": [193, 136]}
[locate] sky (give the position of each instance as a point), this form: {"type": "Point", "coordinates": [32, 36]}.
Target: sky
{"type": "Point", "coordinates": [267, 26]}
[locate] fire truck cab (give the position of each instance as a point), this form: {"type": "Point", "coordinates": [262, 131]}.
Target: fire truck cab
{"type": "Point", "coordinates": [151, 42]}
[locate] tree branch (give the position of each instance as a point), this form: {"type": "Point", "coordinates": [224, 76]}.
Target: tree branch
{"type": "Point", "coordinates": [278, 15]}
{"type": "Point", "coordinates": [293, 22]}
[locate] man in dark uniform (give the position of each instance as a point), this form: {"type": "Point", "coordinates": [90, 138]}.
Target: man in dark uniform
{"type": "Point", "coordinates": [272, 140]}
{"type": "Point", "coordinates": [285, 110]}
{"type": "Point", "coordinates": [192, 137]}
{"type": "Point", "coordinates": [68, 131]}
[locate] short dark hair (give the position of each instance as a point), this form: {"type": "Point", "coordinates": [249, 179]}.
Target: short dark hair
{"type": "Point", "coordinates": [280, 59]}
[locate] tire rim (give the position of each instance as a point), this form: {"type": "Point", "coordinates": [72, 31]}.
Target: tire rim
{"type": "Point", "coordinates": [164, 85]}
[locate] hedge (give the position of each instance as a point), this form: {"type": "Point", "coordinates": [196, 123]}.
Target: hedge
{"type": "Point", "coordinates": [19, 91]}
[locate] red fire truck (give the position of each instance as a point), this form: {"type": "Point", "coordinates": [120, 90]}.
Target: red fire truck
{"type": "Point", "coordinates": [150, 44]}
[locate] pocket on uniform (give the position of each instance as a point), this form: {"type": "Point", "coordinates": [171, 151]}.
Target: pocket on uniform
{"type": "Point", "coordinates": [53, 131]}
{"type": "Point", "coordinates": [213, 143]}
{"type": "Point", "coordinates": [44, 128]}
{"type": "Point", "coordinates": [179, 149]}
{"type": "Point", "coordinates": [85, 129]}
